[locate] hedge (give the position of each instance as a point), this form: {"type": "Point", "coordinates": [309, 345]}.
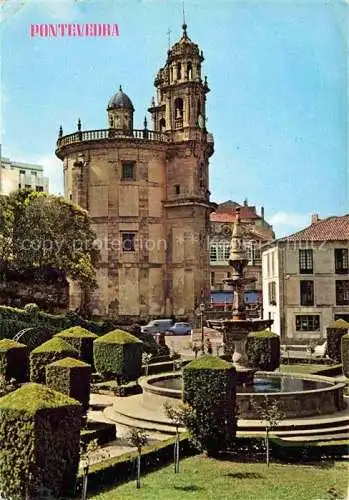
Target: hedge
{"type": "Point", "coordinates": [263, 350]}
{"type": "Point", "coordinates": [71, 377]}
{"type": "Point", "coordinates": [13, 360]}
{"type": "Point", "coordinates": [209, 387]}
{"type": "Point", "coordinates": [345, 354]}
{"type": "Point", "coordinates": [81, 340]}
{"type": "Point", "coordinates": [39, 435]}
{"type": "Point", "coordinates": [117, 470]}
{"type": "Point", "coordinates": [335, 332]}
{"type": "Point", "coordinates": [119, 354]}
{"type": "Point", "coordinates": [52, 350]}
{"type": "Point", "coordinates": [102, 431]}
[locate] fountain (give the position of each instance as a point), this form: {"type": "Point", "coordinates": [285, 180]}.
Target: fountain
{"type": "Point", "coordinates": [236, 329]}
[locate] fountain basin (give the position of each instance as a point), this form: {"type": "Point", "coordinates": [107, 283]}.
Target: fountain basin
{"type": "Point", "coordinates": [298, 395]}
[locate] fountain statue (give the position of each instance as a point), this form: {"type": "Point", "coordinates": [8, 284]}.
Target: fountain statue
{"type": "Point", "coordinates": [236, 329]}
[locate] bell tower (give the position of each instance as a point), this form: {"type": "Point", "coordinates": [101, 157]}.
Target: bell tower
{"type": "Point", "coordinates": [180, 105]}
{"type": "Point", "coordinates": [179, 112]}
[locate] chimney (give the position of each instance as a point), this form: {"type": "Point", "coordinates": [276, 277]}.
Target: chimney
{"type": "Point", "coordinates": [315, 218]}
{"type": "Point", "coordinates": [262, 212]}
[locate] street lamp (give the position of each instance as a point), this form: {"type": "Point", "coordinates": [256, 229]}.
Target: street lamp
{"type": "Point", "coordinates": [202, 310]}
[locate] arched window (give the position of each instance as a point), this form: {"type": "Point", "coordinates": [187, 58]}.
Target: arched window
{"type": "Point", "coordinates": [178, 112]}
{"type": "Point", "coordinates": [189, 70]}
{"type": "Point", "coordinates": [162, 124]}
{"type": "Point", "coordinates": [198, 108]}
{"type": "Point", "coordinates": [179, 71]}
{"type": "Point", "coordinates": [111, 122]}
{"type": "Point", "coordinates": [171, 74]}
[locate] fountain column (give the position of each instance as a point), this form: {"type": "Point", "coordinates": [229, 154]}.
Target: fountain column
{"type": "Point", "coordinates": [236, 329]}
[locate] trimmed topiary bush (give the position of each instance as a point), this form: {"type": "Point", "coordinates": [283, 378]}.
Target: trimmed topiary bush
{"type": "Point", "coordinates": [119, 354]}
{"type": "Point", "coordinates": [263, 350]}
{"type": "Point", "coordinates": [39, 435]}
{"type": "Point", "coordinates": [72, 377]}
{"type": "Point", "coordinates": [335, 332]}
{"type": "Point", "coordinates": [13, 360]}
{"type": "Point", "coordinates": [345, 354]}
{"type": "Point", "coordinates": [209, 387]}
{"type": "Point", "coordinates": [81, 340]}
{"type": "Point", "coordinates": [52, 350]}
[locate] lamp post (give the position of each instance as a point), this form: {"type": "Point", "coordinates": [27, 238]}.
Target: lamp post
{"type": "Point", "coordinates": [202, 310]}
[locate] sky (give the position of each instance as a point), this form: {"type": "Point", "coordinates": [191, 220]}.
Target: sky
{"type": "Point", "coordinates": [278, 106]}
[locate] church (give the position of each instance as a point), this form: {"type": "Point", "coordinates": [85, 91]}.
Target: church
{"type": "Point", "coordinates": [147, 193]}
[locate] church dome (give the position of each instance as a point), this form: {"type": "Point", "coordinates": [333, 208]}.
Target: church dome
{"type": "Point", "coordinates": [120, 100]}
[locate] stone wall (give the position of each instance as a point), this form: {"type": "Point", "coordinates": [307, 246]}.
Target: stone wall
{"type": "Point", "coordinates": [51, 297]}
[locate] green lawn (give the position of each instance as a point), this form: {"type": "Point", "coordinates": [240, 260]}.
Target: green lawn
{"type": "Point", "coordinates": [203, 478]}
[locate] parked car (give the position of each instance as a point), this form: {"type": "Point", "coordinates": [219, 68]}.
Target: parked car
{"type": "Point", "coordinates": [157, 326]}
{"type": "Point", "coordinates": [180, 329]}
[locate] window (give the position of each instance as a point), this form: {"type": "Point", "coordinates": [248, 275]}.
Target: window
{"type": "Point", "coordinates": [272, 293]}
{"type": "Point", "coordinates": [128, 171]}
{"type": "Point", "coordinates": [305, 261]}
{"type": "Point", "coordinates": [179, 71]}
{"type": "Point", "coordinates": [213, 252]}
{"type": "Point", "coordinates": [212, 279]}
{"type": "Point", "coordinates": [341, 260]}
{"type": "Point", "coordinates": [228, 274]}
{"type": "Point", "coordinates": [226, 252]}
{"type": "Point", "coordinates": [22, 172]}
{"type": "Point", "coordinates": [307, 293]}
{"type": "Point", "coordinates": [39, 189]}
{"type": "Point", "coordinates": [177, 188]}
{"type": "Point", "coordinates": [27, 186]}
{"type": "Point", "coordinates": [189, 70]}
{"type": "Point", "coordinates": [342, 292]}
{"type": "Point", "coordinates": [128, 242]}
{"type": "Point", "coordinates": [309, 323]}
{"type": "Point", "coordinates": [178, 105]}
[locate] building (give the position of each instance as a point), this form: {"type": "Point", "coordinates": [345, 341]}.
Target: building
{"type": "Point", "coordinates": [147, 193]}
{"type": "Point", "coordinates": [306, 279]}
{"type": "Point", "coordinates": [256, 231]}
{"type": "Point", "coordinates": [18, 175]}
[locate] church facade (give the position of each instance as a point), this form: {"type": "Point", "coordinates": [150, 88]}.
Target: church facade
{"type": "Point", "coordinates": [147, 193]}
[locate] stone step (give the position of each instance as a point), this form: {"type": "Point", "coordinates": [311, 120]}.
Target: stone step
{"type": "Point", "coordinates": [318, 437]}
{"type": "Point", "coordinates": [128, 421]}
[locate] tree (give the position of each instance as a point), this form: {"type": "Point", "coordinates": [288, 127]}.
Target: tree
{"type": "Point", "coordinates": [40, 232]}
{"type": "Point", "coordinates": [270, 413]}
{"type": "Point", "coordinates": [87, 454]}
{"type": "Point", "coordinates": [146, 358]}
{"type": "Point", "coordinates": [138, 438]}
{"type": "Point", "coordinates": [176, 415]}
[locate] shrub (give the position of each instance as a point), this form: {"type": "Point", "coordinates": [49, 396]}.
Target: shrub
{"type": "Point", "coordinates": [263, 350]}
{"type": "Point", "coordinates": [39, 435]}
{"type": "Point", "coordinates": [345, 354]}
{"type": "Point", "coordinates": [13, 360]}
{"type": "Point", "coordinates": [335, 332]}
{"type": "Point", "coordinates": [52, 350]}
{"type": "Point", "coordinates": [32, 310]}
{"type": "Point", "coordinates": [210, 389]}
{"type": "Point", "coordinates": [81, 340]}
{"type": "Point", "coordinates": [119, 354]}
{"type": "Point", "coordinates": [72, 377]}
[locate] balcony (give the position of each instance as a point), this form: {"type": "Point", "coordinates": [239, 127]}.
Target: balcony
{"type": "Point", "coordinates": [108, 133]}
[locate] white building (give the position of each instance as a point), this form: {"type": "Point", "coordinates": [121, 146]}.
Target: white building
{"type": "Point", "coordinates": [17, 175]}
{"type": "Point", "coordinates": [306, 279]}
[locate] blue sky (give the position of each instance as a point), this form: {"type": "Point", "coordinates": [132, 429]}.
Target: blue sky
{"type": "Point", "coordinates": [278, 106]}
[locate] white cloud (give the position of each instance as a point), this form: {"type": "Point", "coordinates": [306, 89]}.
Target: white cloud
{"type": "Point", "coordinates": [53, 169]}
{"type": "Point", "coordinates": [286, 223]}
